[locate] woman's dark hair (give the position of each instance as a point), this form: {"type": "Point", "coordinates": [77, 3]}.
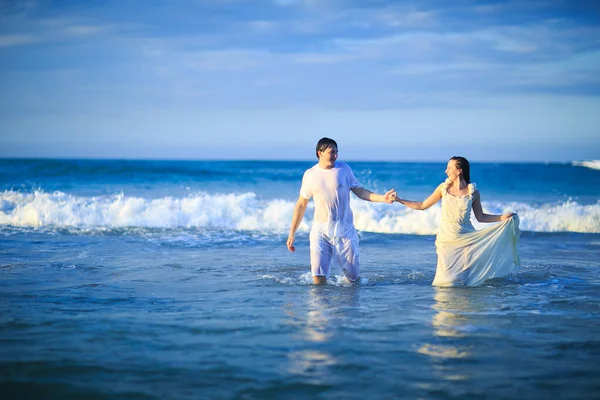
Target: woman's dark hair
{"type": "Point", "coordinates": [324, 144]}
{"type": "Point", "coordinates": [463, 163]}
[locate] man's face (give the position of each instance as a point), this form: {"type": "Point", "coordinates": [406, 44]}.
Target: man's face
{"type": "Point", "coordinates": [329, 155]}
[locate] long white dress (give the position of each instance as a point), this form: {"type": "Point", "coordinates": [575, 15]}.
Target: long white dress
{"type": "Point", "coordinates": [467, 257]}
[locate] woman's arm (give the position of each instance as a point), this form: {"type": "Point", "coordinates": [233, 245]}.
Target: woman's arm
{"type": "Point", "coordinates": [483, 217]}
{"type": "Point", "coordinates": [425, 204]}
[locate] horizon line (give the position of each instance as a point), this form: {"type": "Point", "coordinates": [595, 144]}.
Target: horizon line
{"type": "Point", "coordinates": [71, 158]}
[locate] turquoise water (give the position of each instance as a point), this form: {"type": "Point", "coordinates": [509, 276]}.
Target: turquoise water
{"type": "Point", "coordinates": [152, 280]}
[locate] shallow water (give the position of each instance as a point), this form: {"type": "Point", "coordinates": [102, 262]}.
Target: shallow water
{"type": "Point", "coordinates": [113, 286]}
{"type": "Point", "coordinates": [130, 317]}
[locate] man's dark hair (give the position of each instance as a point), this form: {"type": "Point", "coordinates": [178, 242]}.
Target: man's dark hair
{"type": "Point", "coordinates": [324, 144]}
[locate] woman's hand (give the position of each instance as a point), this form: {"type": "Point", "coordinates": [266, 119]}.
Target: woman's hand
{"type": "Point", "coordinates": [506, 216]}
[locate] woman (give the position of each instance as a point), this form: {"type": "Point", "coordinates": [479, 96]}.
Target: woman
{"type": "Point", "coordinates": [467, 257]}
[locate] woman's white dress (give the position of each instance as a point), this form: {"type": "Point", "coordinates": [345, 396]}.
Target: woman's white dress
{"type": "Point", "coordinates": [467, 257]}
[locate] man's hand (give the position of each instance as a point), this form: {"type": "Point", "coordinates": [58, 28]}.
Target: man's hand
{"type": "Point", "coordinates": [290, 243]}
{"type": "Point", "coordinates": [390, 196]}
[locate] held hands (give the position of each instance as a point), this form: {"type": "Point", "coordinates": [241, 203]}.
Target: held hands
{"type": "Point", "coordinates": [390, 196]}
{"type": "Point", "coordinates": [397, 199]}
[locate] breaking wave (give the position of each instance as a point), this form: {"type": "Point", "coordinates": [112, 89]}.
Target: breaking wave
{"type": "Point", "coordinates": [593, 164]}
{"type": "Point", "coordinates": [249, 212]}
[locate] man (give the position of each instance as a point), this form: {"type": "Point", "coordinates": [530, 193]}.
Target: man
{"type": "Point", "coordinates": [333, 233]}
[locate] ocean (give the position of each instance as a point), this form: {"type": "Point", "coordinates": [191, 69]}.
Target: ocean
{"type": "Point", "coordinates": [172, 280]}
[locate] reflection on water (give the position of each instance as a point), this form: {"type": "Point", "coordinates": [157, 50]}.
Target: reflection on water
{"type": "Point", "coordinates": [324, 308]}
{"type": "Point", "coordinates": [451, 324]}
{"type": "Point", "coordinates": [310, 362]}
{"type": "Point", "coordinates": [451, 305]}
{"type": "Point", "coordinates": [443, 351]}
{"type": "Point", "coordinates": [317, 327]}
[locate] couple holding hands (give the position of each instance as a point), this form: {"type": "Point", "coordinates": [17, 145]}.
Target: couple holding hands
{"type": "Point", "coordinates": [466, 257]}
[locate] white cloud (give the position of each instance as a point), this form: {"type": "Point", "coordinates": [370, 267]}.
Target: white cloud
{"type": "Point", "coordinates": [321, 58]}
{"type": "Point", "coordinates": [286, 2]}
{"type": "Point", "coordinates": [540, 40]}
{"type": "Point", "coordinates": [22, 30]}
{"type": "Point", "coordinates": [580, 69]}
{"type": "Point", "coordinates": [16, 40]}
{"type": "Point", "coordinates": [436, 68]}
{"type": "Point", "coordinates": [348, 57]}
{"type": "Point", "coordinates": [513, 5]}
{"type": "Point", "coordinates": [83, 30]}
{"type": "Point", "coordinates": [225, 60]}
{"type": "Point", "coordinates": [263, 26]}
{"type": "Point", "coordinates": [406, 18]}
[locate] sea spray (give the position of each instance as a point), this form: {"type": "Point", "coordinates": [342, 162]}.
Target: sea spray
{"type": "Point", "coordinates": [247, 211]}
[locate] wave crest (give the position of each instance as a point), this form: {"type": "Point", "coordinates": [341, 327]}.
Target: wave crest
{"type": "Point", "coordinates": [593, 164]}
{"type": "Point", "coordinates": [248, 212]}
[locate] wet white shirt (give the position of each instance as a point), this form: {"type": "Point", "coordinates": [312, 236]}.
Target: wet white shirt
{"type": "Point", "coordinates": [330, 189]}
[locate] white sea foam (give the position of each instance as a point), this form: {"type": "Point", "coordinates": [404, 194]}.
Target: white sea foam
{"type": "Point", "coordinates": [307, 279]}
{"type": "Point", "coordinates": [285, 280]}
{"type": "Point", "coordinates": [224, 211]}
{"type": "Point", "coordinates": [593, 164]}
{"type": "Point", "coordinates": [248, 212]}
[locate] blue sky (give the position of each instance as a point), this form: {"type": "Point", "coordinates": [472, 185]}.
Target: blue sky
{"type": "Point", "coordinates": [241, 79]}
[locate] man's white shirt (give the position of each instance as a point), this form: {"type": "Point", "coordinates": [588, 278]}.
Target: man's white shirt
{"type": "Point", "coordinates": [330, 190]}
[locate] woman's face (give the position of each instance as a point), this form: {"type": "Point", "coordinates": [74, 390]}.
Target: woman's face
{"type": "Point", "coordinates": [452, 172]}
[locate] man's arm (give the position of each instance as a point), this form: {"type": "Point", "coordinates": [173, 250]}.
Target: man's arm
{"type": "Point", "coordinates": [367, 195]}
{"type": "Point", "coordinates": [299, 211]}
